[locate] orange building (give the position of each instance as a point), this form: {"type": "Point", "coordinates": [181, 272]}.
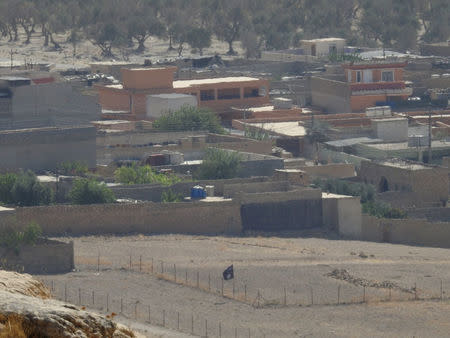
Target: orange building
{"type": "Point", "coordinates": [128, 100]}
{"type": "Point", "coordinates": [375, 82]}
{"type": "Point", "coordinates": [363, 85]}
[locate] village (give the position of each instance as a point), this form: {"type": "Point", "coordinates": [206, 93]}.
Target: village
{"type": "Point", "coordinates": [320, 174]}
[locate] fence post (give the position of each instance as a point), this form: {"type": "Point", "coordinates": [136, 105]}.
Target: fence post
{"type": "Point", "coordinates": [98, 262]}
{"type": "Point", "coordinates": [312, 296]}
{"type": "Point", "coordinates": [130, 264]}
{"type": "Point", "coordinates": [233, 288]}
{"type": "Point", "coordinates": [222, 286]}
{"type": "Point", "coordinates": [79, 296]}
{"type": "Point", "coordinates": [152, 266]}
{"type": "Point", "coordinates": [364, 294]}
{"type": "Point", "coordinates": [209, 282]}
{"type": "Point", "coordinates": [245, 292]}
{"type": "Point", "coordinates": [164, 318]}
{"type": "Point", "coordinates": [415, 291]}
{"type": "Point", "coordinates": [442, 293]}
{"type": "Point", "coordinates": [339, 295]}
{"type": "Point", "coordinates": [149, 318]}
{"type": "Point", "coordinates": [140, 263]}
{"type": "Point", "coordinates": [192, 323]}
{"type": "Point", "coordinates": [93, 297]}
{"type": "Point", "coordinates": [390, 294]}
{"type": "Point", "coordinates": [285, 297]}
{"type": "Point", "coordinates": [121, 305]}
{"type": "Point", "coordinates": [198, 279]}
{"type": "Point", "coordinates": [220, 330]}
{"type": "Point", "coordinates": [206, 327]}
{"type": "Point", "coordinates": [162, 268]}
{"type": "Point", "coordinates": [135, 310]}
{"type": "Point", "coordinates": [175, 272]}
{"type": "Point", "coordinates": [186, 279]}
{"type": "Point", "coordinates": [53, 285]}
{"type": "Point", "coordinates": [107, 302]}
{"type": "Point", "coordinates": [65, 292]}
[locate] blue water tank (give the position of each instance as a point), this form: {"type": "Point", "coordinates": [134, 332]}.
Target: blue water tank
{"type": "Point", "coordinates": [198, 192]}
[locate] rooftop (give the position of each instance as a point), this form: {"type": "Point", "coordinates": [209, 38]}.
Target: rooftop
{"type": "Point", "coordinates": [352, 141]}
{"type": "Point", "coordinates": [170, 96]}
{"type": "Point", "coordinates": [281, 128]}
{"type": "Point", "coordinates": [324, 40]}
{"type": "Point", "coordinates": [199, 82]}
{"type": "Point", "coordinates": [402, 164]}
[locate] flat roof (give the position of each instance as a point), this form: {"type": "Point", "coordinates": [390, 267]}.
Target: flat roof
{"type": "Point", "coordinates": [170, 95]}
{"type": "Point", "coordinates": [282, 128]}
{"type": "Point", "coordinates": [328, 195]}
{"type": "Point", "coordinates": [404, 145]}
{"type": "Point", "coordinates": [402, 164]}
{"type": "Point", "coordinates": [199, 82]}
{"type": "Point", "coordinates": [390, 119]}
{"type": "Point", "coordinates": [352, 141]}
{"type": "Point", "coordinates": [324, 40]}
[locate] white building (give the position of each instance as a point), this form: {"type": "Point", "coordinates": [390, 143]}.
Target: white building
{"type": "Point", "coordinates": [158, 104]}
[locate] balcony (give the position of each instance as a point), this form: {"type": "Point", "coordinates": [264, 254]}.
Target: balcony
{"type": "Point", "coordinates": [380, 88]}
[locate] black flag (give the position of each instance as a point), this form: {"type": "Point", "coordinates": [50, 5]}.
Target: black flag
{"type": "Point", "coordinates": [228, 273]}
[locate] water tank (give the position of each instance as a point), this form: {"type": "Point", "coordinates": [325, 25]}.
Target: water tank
{"type": "Point", "coordinates": [198, 192]}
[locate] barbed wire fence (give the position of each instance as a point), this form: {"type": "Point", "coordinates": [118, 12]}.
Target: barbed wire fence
{"type": "Point", "coordinates": [134, 309]}
{"type": "Point", "coordinates": [241, 291]}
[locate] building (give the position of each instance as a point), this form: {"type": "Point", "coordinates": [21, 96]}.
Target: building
{"type": "Point", "coordinates": [323, 47]}
{"type": "Point", "coordinates": [129, 100]}
{"type": "Point", "coordinates": [362, 85]}
{"type": "Point", "coordinates": [407, 184]}
{"type": "Point", "coordinates": [39, 100]}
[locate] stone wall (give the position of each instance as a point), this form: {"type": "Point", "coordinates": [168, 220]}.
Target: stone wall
{"type": "Point", "coordinates": [46, 256]}
{"type": "Point", "coordinates": [336, 170]}
{"type": "Point", "coordinates": [188, 218]}
{"type": "Point", "coordinates": [406, 231]}
{"type": "Point", "coordinates": [45, 148]}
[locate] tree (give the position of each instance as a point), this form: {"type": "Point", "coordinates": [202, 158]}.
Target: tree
{"type": "Point", "coordinates": [28, 191]}
{"type": "Point", "coordinates": [89, 191]}
{"type": "Point", "coordinates": [143, 175]}
{"type": "Point", "coordinates": [199, 38]}
{"type": "Point", "coordinates": [27, 14]}
{"type": "Point", "coordinates": [435, 18]}
{"type": "Point", "coordinates": [219, 164]}
{"type": "Point", "coordinates": [230, 20]}
{"type": "Point", "coordinates": [189, 118]}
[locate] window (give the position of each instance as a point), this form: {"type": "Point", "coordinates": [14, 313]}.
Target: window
{"type": "Point", "coordinates": [251, 92]}
{"type": "Point", "coordinates": [207, 95]}
{"type": "Point", "coordinates": [358, 76]}
{"type": "Point", "coordinates": [229, 94]}
{"type": "Point", "coordinates": [387, 76]}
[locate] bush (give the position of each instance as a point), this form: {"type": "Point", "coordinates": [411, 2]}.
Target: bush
{"type": "Point", "coordinates": [382, 210]}
{"type": "Point", "coordinates": [88, 191]}
{"type": "Point", "coordinates": [219, 164]}
{"type": "Point", "coordinates": [143, 175]}
{"type": "Point", "coordinates": [12, 239]}
{"type": "Point", "coordinates": [335, 186]}
{"type": "Point", "coordinates": [170, 197]}
{"type": "Point", "coordinates": [28, 191]}
{"type": "Point", "coordinates": [189, 118]}
{"type": "Point", "coordinates": [6, 184]}
{"type": "Point", "coordinates": [72, 168]}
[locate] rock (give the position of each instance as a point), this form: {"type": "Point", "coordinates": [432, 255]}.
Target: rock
{"type": "Point", "coordinates": [26, 309]}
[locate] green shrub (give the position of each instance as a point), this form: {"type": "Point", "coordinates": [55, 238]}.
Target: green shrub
{"type": "Point", "coordinates": [26, 190]}
{"type": "Point", "coordinates": [12, 239]}
{"type": "Point", "coordinates": [336, 186]}
{"type": "Point", "coordinates": [170, 197]}
{"type": "Point", "coordinates": [6, 184]}
{"type": "Point", "coordinates": [382, 210]}
{"type": "Point", "coordinates": [136, 174]}
{"type": "Point", "coordinates": [189, 118]}
{"type": "Point", "coordinates": [89, 191]}
{"type": "Point", "coordinates": [72, 168]}
{"type": "Point", "coordinates": [219, 164]}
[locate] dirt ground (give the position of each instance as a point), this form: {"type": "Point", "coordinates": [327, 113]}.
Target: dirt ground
{"type": "Point", "coordinates": [86, 52]}
{"type": "Point", "coordinates": [376, 285]}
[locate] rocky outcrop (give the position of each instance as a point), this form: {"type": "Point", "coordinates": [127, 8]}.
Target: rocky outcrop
{"type": "Point", "coordinates": [27, 311]}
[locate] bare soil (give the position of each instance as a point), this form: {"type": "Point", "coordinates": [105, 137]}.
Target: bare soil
{"type": "Point", "coordinates": [377, 285]}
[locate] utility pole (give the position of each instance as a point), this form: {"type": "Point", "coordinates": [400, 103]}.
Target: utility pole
{"type": "Point", "coordinates": [429, 137]}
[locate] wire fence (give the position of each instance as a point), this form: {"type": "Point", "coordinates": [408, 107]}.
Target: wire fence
{"type": "Point", "coordinates": [134, 309]}
{"type": "Point", "coordinates": [346, 292]}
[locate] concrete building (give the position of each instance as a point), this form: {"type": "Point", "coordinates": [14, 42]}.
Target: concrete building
{"type": "Point", "coordinates": [362, 85]}
{"type": "Point", "coordinates": [323, 47]}
{"type": "Point", "coordinates": [391, 129]}
{"type": "Point", "coordinates": [45, 148]}
{"type": "Point", "coordinates": [158, 104]}
{"type": "Point", "coordinates": [40, 101]}
{"type": "Point", "coordinates": [408, 184]}
{"type": "Point", "coordinates": [129, 100]}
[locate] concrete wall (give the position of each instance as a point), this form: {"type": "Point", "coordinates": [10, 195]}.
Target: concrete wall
{"type": "Point", "coordinates": [48, 256]}
{"type": "Point", "coordinates": [231, 190]}
{"type": "Point", "coordinates": [332, 95]}
{"type": "Point", "coordinates": [45, 148]}
{"type": "Point", "coordinates": [431, 214]}
{"type": "Point", "coordinates": [188, 218]}
{"type": "Point", "coordinates": [342, 213]}
{"type": "Point", "coordinates": [406, 231]}
{"type": "Point", "coordinates": [157, 105]}
{"type": "Point", "coordinates": [278, 211]}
